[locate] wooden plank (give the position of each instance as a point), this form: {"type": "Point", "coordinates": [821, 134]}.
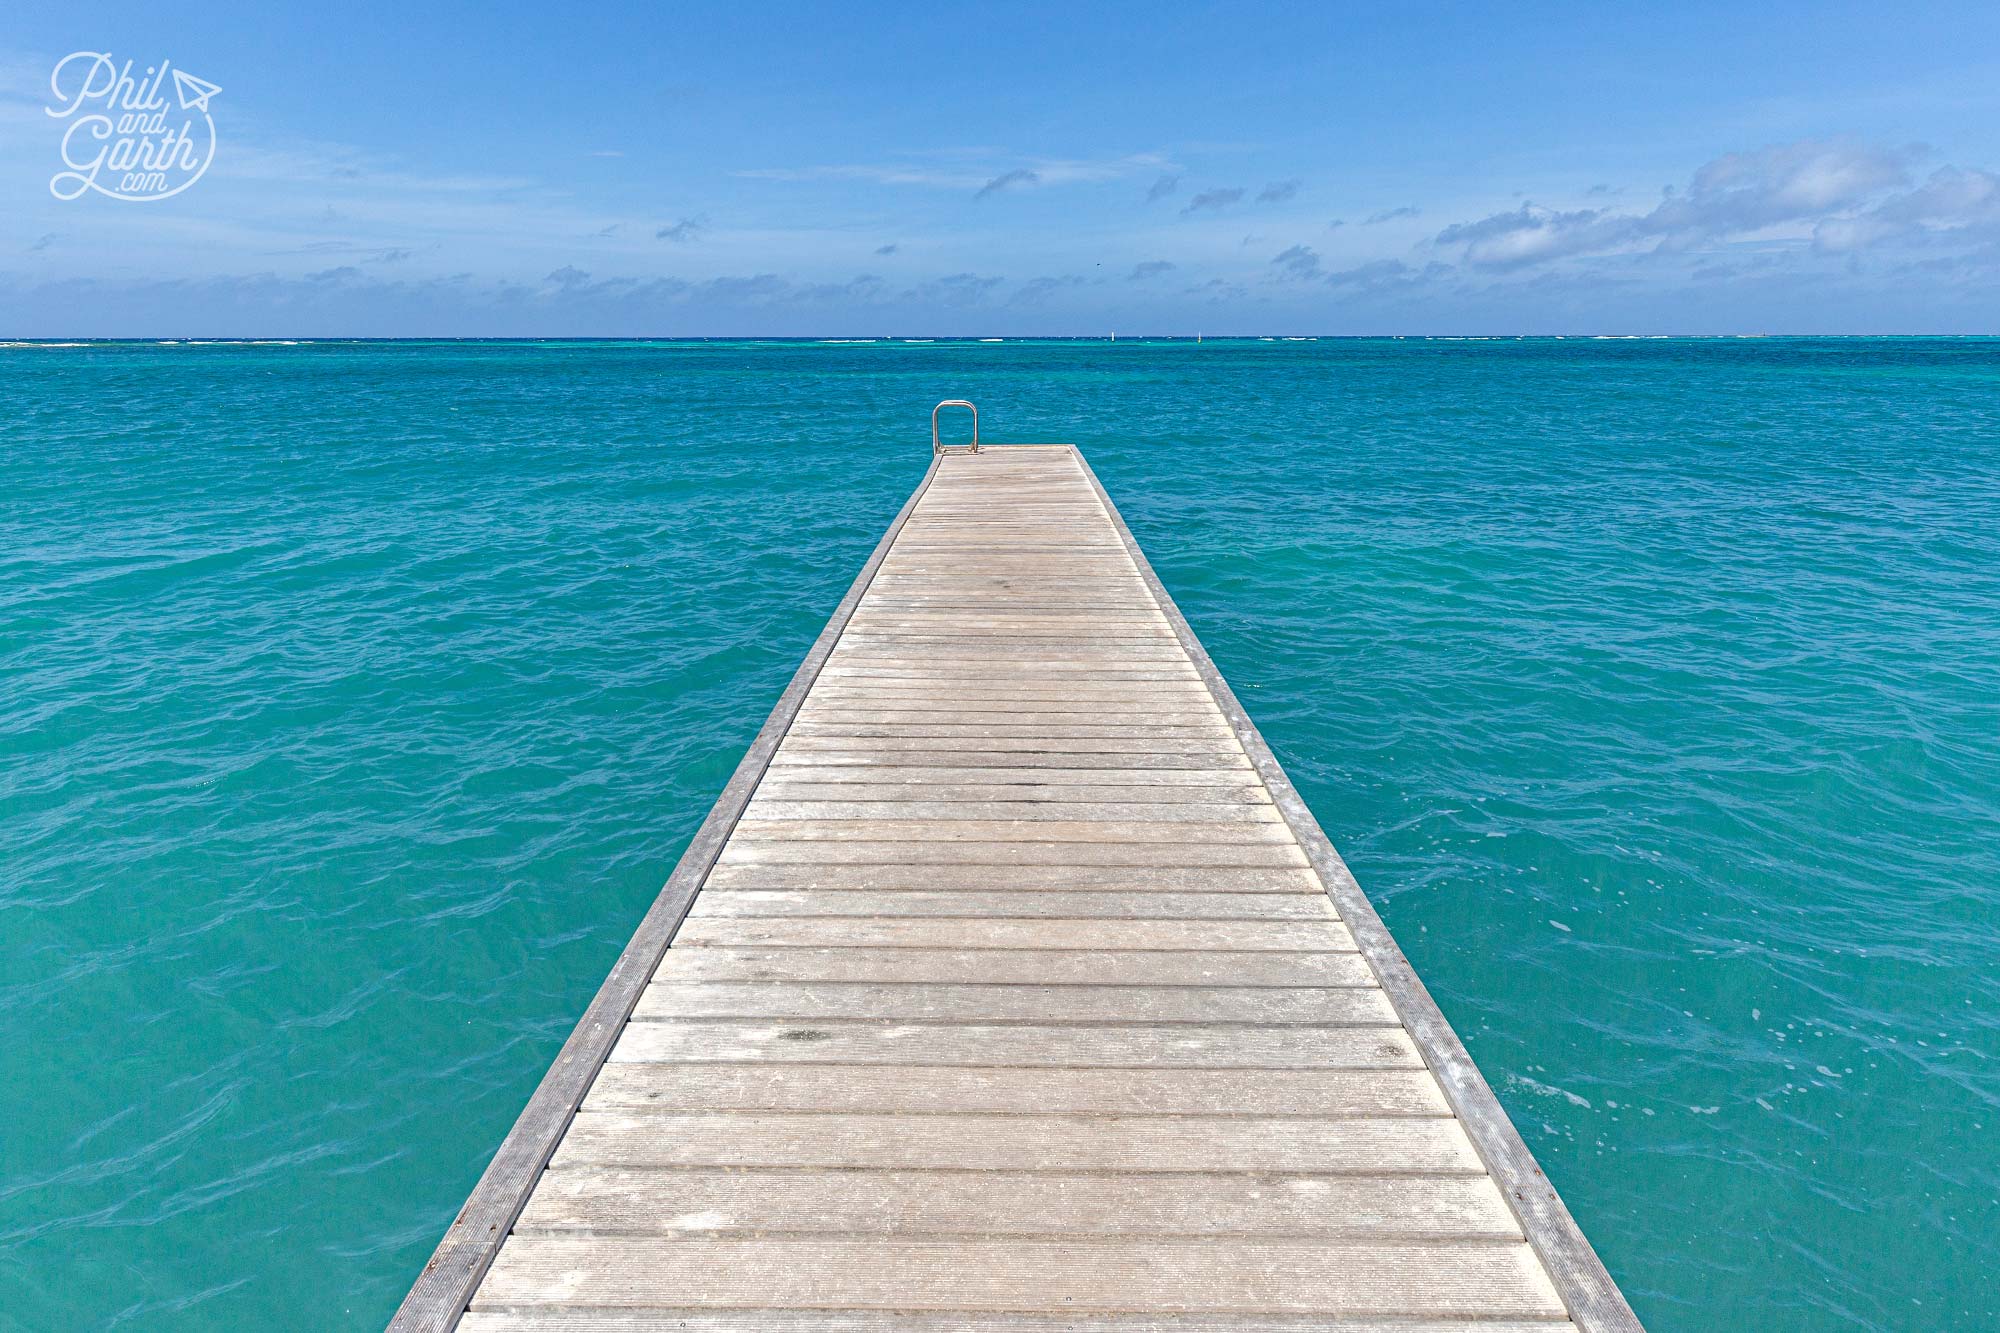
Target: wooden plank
{"type": "Point", "coordinates": [745, 851]}
{"type": "Point", "coordinates": [1271, 1006]}
{"type": "Point", "coordinates": [912, 1089]}
{"type": "Point", "coordinates": [1069, 598]}
{"type": "Point", "coordinates": [1014, 933]}
{"type": "Point", "coordinates": [1016, 967]}
{"type": "Point", "coordinates": [1128, 697]}
{"type": "Point", "coordinates": [1111, 646]}
{"type": "Point", "coordinates": [1137, 1145]}
{"type": "Point", "coordinates": [1158, 798]}
{"type": "Point", "coordinates": [1097, 771]}
{"type": "Point", "coordinates": [1015, 720]}
{"type": "Point", "coordinates": [1064, 670]}
{"type": "Point", "coordinates": [1122, 641]}
{"type": "Point", "coordinates": [1135, 702]}
{"type": "Point", "coordinates": [911, 707]}
{"type": "Point", "coordinates": [659, 1319]}
{"type": "Point", "coordinates": [1040, 662]}
{"type": "Point", "coordinates": [991, 655]}
{"type": "Point", "coordinates": [1014, 591]}
{"type": "Point", "coordinates": [1028, 1045]}
{"type": "Point", "coordinates": [1043, 663]}
{"type": "Point", "coordinates": [784, 770]}
{"type": "Point", "coordinates": [971, 903]}
{"type": "Point", "coordinates": [1214, 750]}
{"type": "Point", "coordinates": [929, 603]}
{"type": "Point", "coordinates": [1181, 683]}
{"type": "Point", "coordinates": [1011, 878]}
{"type": "Point", "coordinates": [908, 707]}
{"type": "Point", "coordinates": [991, 620]}
{"type": "Point", "coordinates": [1077, 602]}
{"type": "Point", "coordinates": [1036, 730]}
{"type": "Point", "coordinates": [753, 828]}
{"type": "Point", "coordinates": [992, 1203]}
{"type": "Point", "coordinates": [1115, 696]}
{"type": "Point", "coordinates": [1435, 1278]}
{"type": "Point", "coordinates": [1122, 697]}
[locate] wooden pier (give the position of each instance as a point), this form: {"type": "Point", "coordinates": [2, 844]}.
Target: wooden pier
{"type": "Point", "coordinates": [1010, 986]}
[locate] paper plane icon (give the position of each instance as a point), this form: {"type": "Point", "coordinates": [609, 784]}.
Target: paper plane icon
{"type": "Point", "coordinates": [194, 92]}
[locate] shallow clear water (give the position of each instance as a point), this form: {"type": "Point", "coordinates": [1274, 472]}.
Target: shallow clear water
{"type": "Point", "coordinates": [356, 699]}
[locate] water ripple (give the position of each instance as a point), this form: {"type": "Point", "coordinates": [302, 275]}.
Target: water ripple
{"type": "Point", "coordinates": [354, 705]}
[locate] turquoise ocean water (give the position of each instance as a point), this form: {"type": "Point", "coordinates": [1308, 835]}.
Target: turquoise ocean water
{"type": "Point", "coordinates": [355, 700]}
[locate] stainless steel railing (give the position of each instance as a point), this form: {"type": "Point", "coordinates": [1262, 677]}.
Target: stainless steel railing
{"type": "Point", "coordinates": [937, 447]}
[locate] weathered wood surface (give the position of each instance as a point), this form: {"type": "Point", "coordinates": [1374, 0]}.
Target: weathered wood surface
{"type": "Point", "coordinates": [575, 1319]}
{"type": "Point", "coordinates": [1014, 1001]}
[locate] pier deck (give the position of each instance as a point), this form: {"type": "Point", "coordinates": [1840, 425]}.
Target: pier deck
{"type": "Point", "coordinates": [1016, 990]}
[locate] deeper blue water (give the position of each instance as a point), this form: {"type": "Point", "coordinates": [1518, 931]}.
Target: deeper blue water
{"type": "Point", "coordinates": [355, 700]}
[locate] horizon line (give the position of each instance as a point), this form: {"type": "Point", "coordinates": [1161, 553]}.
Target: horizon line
{"type": "Point", "coordinates": [851, 340]}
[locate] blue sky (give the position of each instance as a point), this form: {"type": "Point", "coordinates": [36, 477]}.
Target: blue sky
{"type": "Point", "coordinates": [628, 169]}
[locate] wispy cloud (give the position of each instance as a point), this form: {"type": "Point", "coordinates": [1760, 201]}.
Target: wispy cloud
{"type": "Point", "coordinates": [1161, 188]}
{"type": "Point", "coordinates": [680, 233]}
{"type": "Point", "coordinates": [1389, 278]}
{"type": "Point", "coordinates": [888, 249]}
{"type": "Point", "coordinates": [1018, 176]}
{"type": "Point", "coordinates": [1151, 268]}
{"type": "Point", "coordinates": [1277, 192]}
{"type": "Point", "coordinates": [751, 289]}
{"type": "Point", "coordinates": [957, 289]}
{"type": "Point", "coordinates": [1212, 200]}
{"type": "Point", "coordinates": [893, 174]}
{"type": "Point", "coordinates": [363, 254]}
{"type": "Point", "coordinates": [1391, 215]}
{"type": "Point", "coordinates": [1298, 264]}
{"type": "Point", "coordinates": [1036, 291]}
{"type": "Point", "coordinates": [974, 170]}
{"type": "Point", "coordinates": [1218, 291]}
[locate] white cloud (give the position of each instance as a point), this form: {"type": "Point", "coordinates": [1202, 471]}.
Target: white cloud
{"type": "Point", "coordinates": [1530, 235]}
{"type": "Point", "coordinates": [1839, 195]}
{"type": "Point", "coordinates": [1951, 201]}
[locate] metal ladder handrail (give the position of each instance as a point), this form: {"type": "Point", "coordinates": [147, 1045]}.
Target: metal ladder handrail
{"type": "Point", "coordinates": [939, 448]}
